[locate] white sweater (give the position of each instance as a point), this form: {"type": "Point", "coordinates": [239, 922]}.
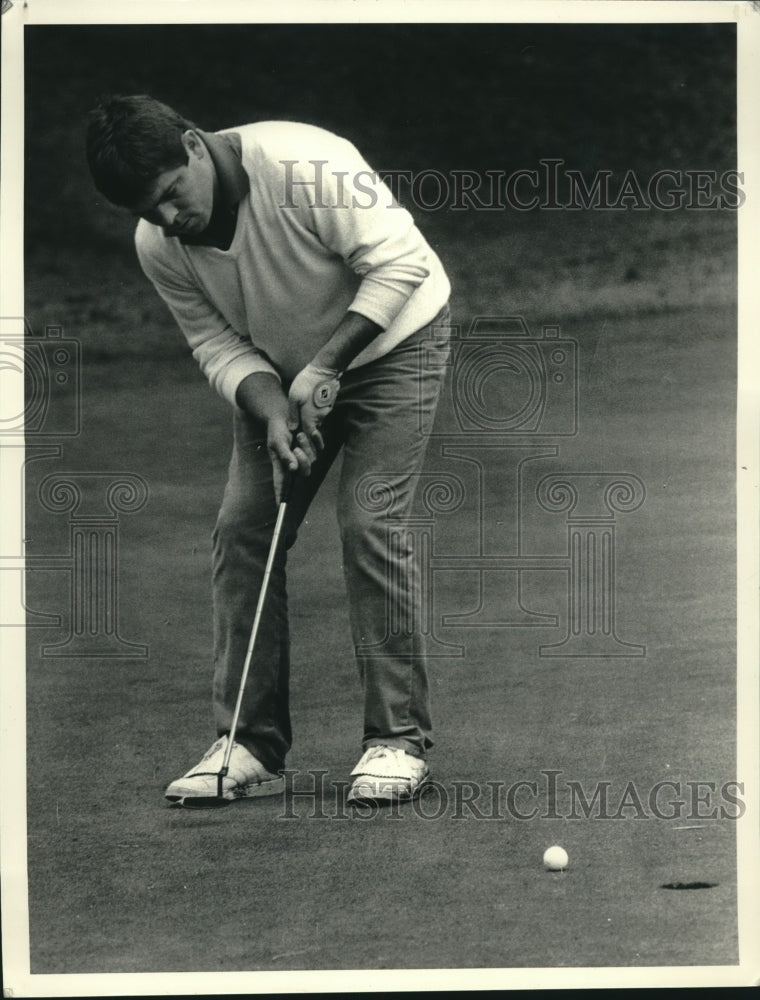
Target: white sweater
{"type": "Point", "coordinates": [301, 256]}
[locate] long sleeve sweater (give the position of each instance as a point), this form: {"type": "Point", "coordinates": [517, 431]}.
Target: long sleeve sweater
{"type": "Point", "coordinates": [317, 234]}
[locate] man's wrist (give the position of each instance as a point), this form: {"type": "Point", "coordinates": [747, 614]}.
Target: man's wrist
{"type": "Point", "coordinates": [318, 369]}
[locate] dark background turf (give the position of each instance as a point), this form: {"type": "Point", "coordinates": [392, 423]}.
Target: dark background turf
{"type": "Point", "coordinates": [118, 883]}
{"type": "Point", "coordinates": [412, 96]}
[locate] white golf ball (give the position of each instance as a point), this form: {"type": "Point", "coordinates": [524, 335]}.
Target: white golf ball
{"type": "Point", "coordinates": [555, 858]}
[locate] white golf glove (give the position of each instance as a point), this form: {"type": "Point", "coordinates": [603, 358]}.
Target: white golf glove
{"type": "Point", "coordinates": [311, 397]}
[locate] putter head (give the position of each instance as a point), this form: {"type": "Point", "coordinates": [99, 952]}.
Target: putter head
{"type": "Point", "coordinates": [205, 802]}
{"type": "Point", "coordinates": [217, 801]}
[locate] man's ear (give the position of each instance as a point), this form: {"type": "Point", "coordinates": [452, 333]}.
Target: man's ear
{"type": "Point", "coordinates": [193, 144]}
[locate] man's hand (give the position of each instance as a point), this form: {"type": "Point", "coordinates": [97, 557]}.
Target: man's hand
{"type": "Point", "coordinates": [261, 396]}
{"type": "Point", "coordinates": [287, 452]}
{"type": "Point", "coordinates": [311, 397]}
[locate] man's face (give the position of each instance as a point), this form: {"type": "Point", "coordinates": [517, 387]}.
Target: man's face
{"type": "Point", "coordinates": [181, 200]}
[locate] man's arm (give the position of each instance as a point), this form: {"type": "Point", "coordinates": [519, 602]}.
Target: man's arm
{"type": "Point", "coordinates": [351, 336]}
{"type": "Point", "coordinates": [224, 356]}
{"type": "Point", "coordinates": [233, 366]}
{"type": "Point", "coordinates": [357, 218]}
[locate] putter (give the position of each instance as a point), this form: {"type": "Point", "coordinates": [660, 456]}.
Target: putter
{"type": "Point", "coordinates": [217, 801]}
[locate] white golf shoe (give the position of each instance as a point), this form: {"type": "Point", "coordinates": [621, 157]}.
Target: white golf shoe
{"type": "Point", "coordinates": [247, 777]}
{"type": "Point", "coordinates": [388, 774]}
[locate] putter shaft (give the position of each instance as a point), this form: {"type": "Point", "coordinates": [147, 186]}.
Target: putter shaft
{"type": "Point", "coordinates": [281, 511]}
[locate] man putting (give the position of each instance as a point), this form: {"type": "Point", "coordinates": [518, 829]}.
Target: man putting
{"type": "Point", "coordinates": [305, 293]}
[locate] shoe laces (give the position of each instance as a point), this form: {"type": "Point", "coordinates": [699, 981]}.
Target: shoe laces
{"type": "Point", "coordinates": [220, 744]}
{"type": "Point", "coordinates": [382, 751]}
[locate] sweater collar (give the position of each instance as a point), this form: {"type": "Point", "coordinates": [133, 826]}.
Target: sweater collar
{"type": "Point", "coordinates": [225, 150]}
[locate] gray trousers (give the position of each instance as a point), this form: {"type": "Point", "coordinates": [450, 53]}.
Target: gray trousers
{"type": "Point", "coordinates": [381, 421]}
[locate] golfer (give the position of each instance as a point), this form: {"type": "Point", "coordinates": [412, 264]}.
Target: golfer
{"type": "Point", "coordinates": [306, 294]}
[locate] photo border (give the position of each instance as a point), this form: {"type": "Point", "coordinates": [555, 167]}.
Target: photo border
{"type": "Point", "coordinates": [13, 859]}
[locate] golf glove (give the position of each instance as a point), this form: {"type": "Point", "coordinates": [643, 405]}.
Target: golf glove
{"type": "Point", "coordinates": [311, 397]}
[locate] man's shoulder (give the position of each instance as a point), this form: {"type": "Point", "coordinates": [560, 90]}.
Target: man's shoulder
{"type": "Point", "coordinates": [153, 246]}
{"type": "Point", "coordinates": [277, 140]}
{"type": "Point", "coordinates": [148, 238]}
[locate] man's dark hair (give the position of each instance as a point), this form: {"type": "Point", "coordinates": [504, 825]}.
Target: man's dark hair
{"type": "Point", "coordinates": [131, 140]}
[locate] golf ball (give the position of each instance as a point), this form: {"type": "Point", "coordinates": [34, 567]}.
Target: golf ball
{"type": "Point", "coordinates": [555, 858]}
